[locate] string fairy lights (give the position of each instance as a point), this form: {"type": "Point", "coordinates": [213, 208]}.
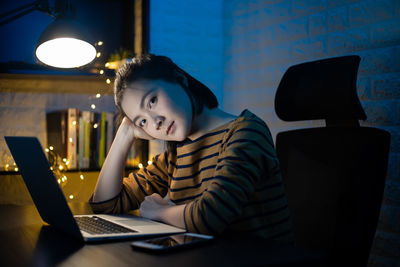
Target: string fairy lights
{"type": "Point", "coordinates": [61, 165]}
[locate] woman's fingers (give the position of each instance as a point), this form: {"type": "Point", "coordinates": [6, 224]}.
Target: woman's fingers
{"type": "Point", "coordinates": [138, 132]}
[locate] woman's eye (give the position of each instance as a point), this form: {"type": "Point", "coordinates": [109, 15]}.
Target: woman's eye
{"type": "Point", "coordinates": [152, 101]}
{"type": "Point", "coordinates": [142, 123]}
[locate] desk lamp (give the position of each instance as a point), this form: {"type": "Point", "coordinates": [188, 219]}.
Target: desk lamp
{"type": "Point", "coordinates": [64, 43]}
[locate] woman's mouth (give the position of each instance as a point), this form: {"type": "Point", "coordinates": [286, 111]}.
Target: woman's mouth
{"type": "Point", "coordinates": [170, 128]}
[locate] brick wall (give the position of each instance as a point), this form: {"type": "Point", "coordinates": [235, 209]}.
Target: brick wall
{"type": "Point", "coordinates": [263, 38]}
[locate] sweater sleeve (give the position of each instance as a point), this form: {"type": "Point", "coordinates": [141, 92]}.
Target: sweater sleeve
{"type": "Point", "coordinates": [146, 181]}
{"type": "Point", "coordinates": [247, 156]}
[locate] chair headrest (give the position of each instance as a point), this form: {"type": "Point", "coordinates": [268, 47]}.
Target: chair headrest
{"type": "Point", "coordinates": [322, 89]}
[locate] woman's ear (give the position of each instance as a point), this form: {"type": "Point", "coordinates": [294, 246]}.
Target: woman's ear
{"type": "Point", "coordinates": [181, 78]}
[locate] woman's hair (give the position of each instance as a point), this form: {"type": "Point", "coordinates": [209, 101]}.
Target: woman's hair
{"type": "Point", "coordinates": [153, 67]}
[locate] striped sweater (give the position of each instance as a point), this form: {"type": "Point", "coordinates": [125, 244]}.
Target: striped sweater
{"type": "Point", "coordinates": [229, 178]}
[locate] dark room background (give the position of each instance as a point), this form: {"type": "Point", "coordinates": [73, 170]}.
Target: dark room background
{"type": "Point", "coordinates": [241, 49]}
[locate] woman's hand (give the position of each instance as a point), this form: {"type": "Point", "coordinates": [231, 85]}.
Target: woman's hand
{"type": "Point", "coordinates": [156, 208]}
{"type": "Point", "coordinates": [153, 206]}
{"type": "Point", "coordinates": [136, 131]}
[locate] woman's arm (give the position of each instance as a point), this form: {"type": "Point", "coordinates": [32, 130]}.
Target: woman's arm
{"type": "Point", "coordinates": [111, 174]}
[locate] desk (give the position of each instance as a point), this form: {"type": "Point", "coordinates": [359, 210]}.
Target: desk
{"type": "Point", "coordinates": [25, 240]}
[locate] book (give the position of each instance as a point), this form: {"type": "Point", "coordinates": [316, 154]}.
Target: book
{"type": "Point", "coordinates": [72, 139]}
{"type": "Point", "coordinates": [85, 116]}
{"type": "Point", "coordinates": [56, 127]}
{"type": "Point", "coordinates": [110, 129]}
{"type": "Point", "coordinates": [102, 139]}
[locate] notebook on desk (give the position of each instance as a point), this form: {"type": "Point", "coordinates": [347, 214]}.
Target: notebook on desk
{"type": "Point", "coordinates": [54, 210]}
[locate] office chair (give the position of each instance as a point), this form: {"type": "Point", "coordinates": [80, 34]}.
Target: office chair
{"type": "Point", "coordinates": [334, 176]}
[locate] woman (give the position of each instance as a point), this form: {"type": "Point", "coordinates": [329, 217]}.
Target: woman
{"type": "Point", "coordinates": [220, 172]}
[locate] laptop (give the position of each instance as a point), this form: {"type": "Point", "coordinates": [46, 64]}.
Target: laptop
{"type": "Point", "coordinates": [54, 210]}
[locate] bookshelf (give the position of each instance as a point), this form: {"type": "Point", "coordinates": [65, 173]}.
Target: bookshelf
{"type": "Point", "coordinates": [14, 85]}
{"type": "Point", "coordinates": [58, 84]}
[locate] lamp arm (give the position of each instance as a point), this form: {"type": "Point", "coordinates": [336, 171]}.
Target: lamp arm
{"type": "Point", "coordinates": [40, 5]}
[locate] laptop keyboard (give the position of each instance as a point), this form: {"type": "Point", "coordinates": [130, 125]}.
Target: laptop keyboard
{"type": "Point", "coordinates": [95, 225]}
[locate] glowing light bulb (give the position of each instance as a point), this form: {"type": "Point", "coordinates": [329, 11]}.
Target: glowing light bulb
{"type": "Point", "coordinates": [98, 95]}
{"type": "Point", "coordinates": [98, 54]}
{"type": "Point", "coordinates": [51, 148]}
{"type": "Point", "coordinates": [108, 81]}
{"type": "Point", "coordinates": [16, 169]}
{"type": "Point", "coordinates": [51, 168]}
{"type": "Point", "coordinates": [66, 52]}
{"type": "Point", "coordinates": [60, 167]}
{"type": "Point", "coordinates": [149, 162]}
{"type": "Point", "coordinates": [81, 176]}
{"type": "Point", "coordinates": [140, 165]}
{"type": "Point", "coordinates": [101, 71]}
{"type": "Point", "coordinates": [71, 196]}
{"type": "Point", "coordinates": [64, 160]}
{"type": "Point", "coordinates": [74, 122]}
{"type": "Point", "coordinates": [93, 106]}
{"type": "Point", "coordinates": [47, 150]}
{"type": "Point", "coordinates": [70, 139]}
{"type": "Point", "coordinates": [99, 43]}
{"type": "Point", "coordinates": [59, 181]}
{"type": "Point", "coordinates": [107, 64]}
{"type": "Point", "coordinates": [95, 125]}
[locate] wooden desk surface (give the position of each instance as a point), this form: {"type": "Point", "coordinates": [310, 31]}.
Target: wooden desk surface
{"type": "Point", "coordinates": [26, 241]}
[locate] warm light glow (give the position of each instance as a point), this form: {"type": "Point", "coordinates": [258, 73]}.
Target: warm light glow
{"type": "Point", "coordinates": [98, 54]}
{"type": "Point", "coordinates": [101, 71]}
{"type": "Point", "coordinates": [16, 169]}
{"type": "Point", "coordinates": [64, 159]}
{"type": "Point", "coordinates": [47, 150]}
{"type": "Point", "coordinates": [107, 64]}
{"type": "Point", "coordinates": [51, 148]}
{"type": "Point", "coordinates": [108, 81]}
{"type": "Point", "coordinates": [99, 43]}
{"type": "Point", "coordinates": [93, 106]}
{"type": "Point", "coordinates": [71, 196]}
{"type": "Point", "coordinates": [51, 168]}
{"type": "Point", "coordinates": [7, 165]}
{"type": "Point", "coordinates": [70, 139]}
{"type": "Point", "coordinates": [67, 162]}
{"type": "Point", "coordinates": [149, 162]}
{"type": "Point", "coordinates": [66, 52]}
{"type": "Point", "coordinates": [81, 176]}
{"type": "Point", "coordinates": [59, 181]}
{"type": "Point", "coordinates": [98, 95]}
{"type": "Point", "coordinates": [140, 165]}
{"type": "Point", "coordinates": [74, 122]}
{"type": "Point", "coordinates": [95, 125]}
{"type": "Point", "coordinates": [60, 167]}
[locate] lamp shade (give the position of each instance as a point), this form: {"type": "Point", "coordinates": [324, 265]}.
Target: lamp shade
{"type": "Point", "coordinates": [65, 44]}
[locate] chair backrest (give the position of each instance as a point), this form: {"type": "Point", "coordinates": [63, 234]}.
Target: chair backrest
{"type": "Point", "coordinates": [334, 176]}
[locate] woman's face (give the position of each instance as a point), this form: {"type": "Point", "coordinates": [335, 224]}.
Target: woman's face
{"type": "Point", "coordinates": [161, 109]}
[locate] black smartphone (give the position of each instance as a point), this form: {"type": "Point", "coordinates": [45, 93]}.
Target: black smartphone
{"type": "Point", "coordinates": [171, 242]}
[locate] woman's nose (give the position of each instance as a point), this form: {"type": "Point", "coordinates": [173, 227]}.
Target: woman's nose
{"type": "Point", "coordinates": [158, 121]}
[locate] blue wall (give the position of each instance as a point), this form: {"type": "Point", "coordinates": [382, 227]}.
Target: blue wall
{"type": "Point", "coordinates": [190, 33]}
{"type": "Point", "coordinates": [241, 49]}
{"type": "Point", "coordinates": [263, 38]}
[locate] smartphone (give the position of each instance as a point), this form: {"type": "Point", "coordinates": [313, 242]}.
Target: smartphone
{"type": "Point", "coordinates": [171, 242]}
